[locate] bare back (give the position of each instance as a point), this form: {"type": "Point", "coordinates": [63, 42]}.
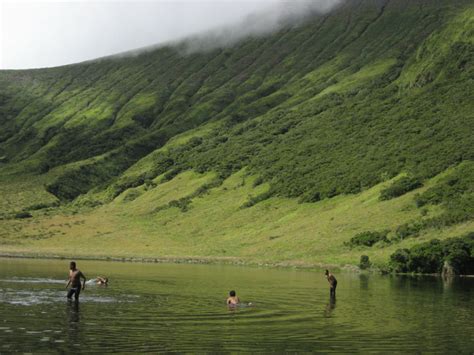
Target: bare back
{"type": "Point", "coordinates": [233, 300]}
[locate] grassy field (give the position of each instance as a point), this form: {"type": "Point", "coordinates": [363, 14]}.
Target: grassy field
{"type": "Point", "coordinates": [142, 223]}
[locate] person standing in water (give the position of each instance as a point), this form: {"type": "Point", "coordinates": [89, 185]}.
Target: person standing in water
{"type": "Point", "coordinates": [232, 300]}
{"type": "Point", "coordinates": [332, 283]}
{"type": "Point", "coordinates": [75, 276]}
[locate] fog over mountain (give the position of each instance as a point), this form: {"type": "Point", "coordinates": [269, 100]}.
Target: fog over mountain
{"type": "Point", "coordinates": [273, 18]}
{"type": "Point", "coordinates": [38, 33]}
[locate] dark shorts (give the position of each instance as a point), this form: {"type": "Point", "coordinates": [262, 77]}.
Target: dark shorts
{"type": "Point", "coordinates": [74, 291]}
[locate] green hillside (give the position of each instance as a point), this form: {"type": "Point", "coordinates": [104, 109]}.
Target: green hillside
{"type": "Point", "coordinates": [347, 135]}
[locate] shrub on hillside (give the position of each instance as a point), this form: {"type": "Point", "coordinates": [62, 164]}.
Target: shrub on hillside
{"type": "Point", "coordinates": [144, 119]}
{"type": "Point", "coordinates": [460, 254]}
{"type": "Point", "coordinates": [258, 181]}
{"type": "Point", "coordinates": [426, 258]}
{"type": "Point", "coordinates": [368, 238]}
{"type": "Point", "coordinates": [253, 200]}
{"type": "Point", "coordinates": [451, 217]}
{"type": "Point", "coordinates": [183, 204]}
{"type": "Point", "coordinates": [457, 184]}
{"type": "Point", "coordinates": [21, 215]}
{"type": "Point", "coordinates": [42, 205]}
{"type": "Point", "coordinates": [399, 260]}
{"type": "Point", "coordinates": [407, 230]}
{"type": "Point", "coordinates": [400, 187]}
{"type": "Point", "coordinates": [171, 174]}
{"type": "Point", "coordinates": [430, 257]}
{"type": "Point", "coordinates": [131, 195]}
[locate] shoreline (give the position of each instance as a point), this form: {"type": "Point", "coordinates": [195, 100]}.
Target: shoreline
{"type": "Point", "coordinates": [234, 261]}
{"type": "Point", "coordinates": [191, 260]}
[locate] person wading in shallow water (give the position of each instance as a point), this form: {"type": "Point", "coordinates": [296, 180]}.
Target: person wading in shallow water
{"type": "Point", "coordinates": [75, 276]}
{"type": "Point", "coordinates": [332, 283]}
{"type": "Point", "coordinates": [232, 300]}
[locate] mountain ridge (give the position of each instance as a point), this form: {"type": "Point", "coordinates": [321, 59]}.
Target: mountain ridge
{"type": "Point", "coordinates": [335, 106]}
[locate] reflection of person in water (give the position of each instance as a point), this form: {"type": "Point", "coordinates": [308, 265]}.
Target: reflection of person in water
{"type": "Point", "coordinates": [73, 330]}
{"type": "Point", "coordinates": [74, 312]}
{"type": "Point", "coordinates": [364, 281]}
{"type": "Point", "coordinates": [330, 307]}
{"type": "Point", "coordinates": [332, 283]}
{"type": "Point", "coordinates": [75, 276]}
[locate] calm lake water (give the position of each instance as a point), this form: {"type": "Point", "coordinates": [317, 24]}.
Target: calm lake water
{"type": "Point", "coordinates": [162, 307]}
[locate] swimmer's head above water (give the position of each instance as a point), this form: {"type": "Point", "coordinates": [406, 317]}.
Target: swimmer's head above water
{"type": "Point", "coordinates": [102, 280]}
{"type": "Point", "coordinates": [233, 299]}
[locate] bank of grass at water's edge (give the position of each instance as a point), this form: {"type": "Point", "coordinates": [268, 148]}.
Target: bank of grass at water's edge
{"type": "Point", "coordinates": [178, 221]}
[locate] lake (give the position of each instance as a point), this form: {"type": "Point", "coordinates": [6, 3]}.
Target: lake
{"type": "Point", "coordinates": [168, 307]}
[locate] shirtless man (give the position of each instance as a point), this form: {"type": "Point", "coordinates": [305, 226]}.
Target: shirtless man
{"type": "Point", "coordinates": [74, 280]}
{"type": "Point", "coordinates": [232, 300]}
{"type": "Point", "coordinates": [332, 283]}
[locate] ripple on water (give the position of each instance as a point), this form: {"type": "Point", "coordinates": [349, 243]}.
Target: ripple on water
{"type": "Point", "coordinates": [29, 298]}
{"type": "Point", "coordinates": [39, 297]}
{"type": "Point", "coordinates": [143, 315]}
{"type": "Point", "coordinates": [33, 280]}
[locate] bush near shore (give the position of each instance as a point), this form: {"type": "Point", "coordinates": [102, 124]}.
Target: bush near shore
{"type": "Point", "coordinates": [435, 256]}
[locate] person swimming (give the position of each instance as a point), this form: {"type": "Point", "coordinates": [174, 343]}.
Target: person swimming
{"type": "Point", "coordinates": [102, 280]}
{"type": "Point", "coordinates": [232, 300]}
{"type": "Point", "coordinates": [99, 280]}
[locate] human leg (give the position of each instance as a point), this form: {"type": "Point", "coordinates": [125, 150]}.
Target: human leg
{"type": "Point", "coordinates": [70, 292]}
{"type": "Point", "coordinates": [76, 294]}
{"type": "Point", "coordinates": [74, 291]}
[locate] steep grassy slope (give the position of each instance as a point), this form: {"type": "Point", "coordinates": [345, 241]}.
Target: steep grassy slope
{"type": "Point", "coordinates": [237, 151]}
{"type": "Point", "coordinates": [155, 223]}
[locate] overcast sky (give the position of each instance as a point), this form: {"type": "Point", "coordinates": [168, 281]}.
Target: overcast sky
{"type": "Point", "coordinates": [45, 33]}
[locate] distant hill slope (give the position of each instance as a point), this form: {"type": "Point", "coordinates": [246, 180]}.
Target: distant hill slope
{"type": "Point", "coordinates": [335, 106]}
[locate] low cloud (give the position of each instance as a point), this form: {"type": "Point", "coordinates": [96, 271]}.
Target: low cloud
{"type": "Point", "coordinates": [277, 16]}
{"type": "Point", "coordinates": [45, 33]}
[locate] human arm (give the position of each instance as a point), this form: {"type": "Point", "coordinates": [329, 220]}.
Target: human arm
{"type": "Point", "coordinates": [84, 280]}
{"type": "Point", "coordinates": [68, 280]}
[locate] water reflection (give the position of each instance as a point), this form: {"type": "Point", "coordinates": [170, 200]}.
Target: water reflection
{"type": "Point", "coordinates": [447, 282]}
{"type": "Point", "coordinates": [155, 309]}
{"type": "Point", "coordinates": [73, 323]}
{"type": "Point", "coordinates": [330, 307]}
{"type": "Point", "coordinates": [73, 311]}
{"type": "Point", "coordinates": [364, 281]}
